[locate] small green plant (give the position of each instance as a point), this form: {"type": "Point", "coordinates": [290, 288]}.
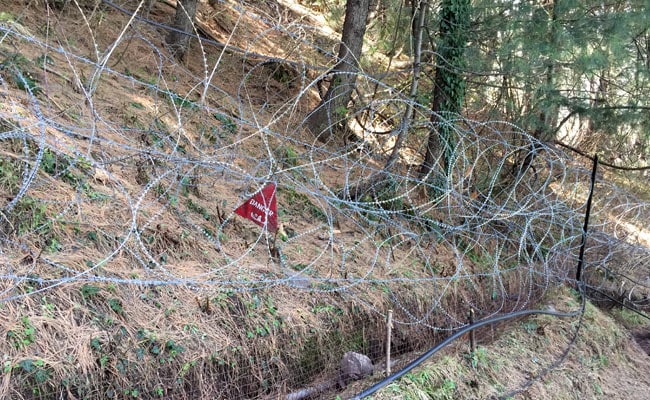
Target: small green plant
{"type": "Point", "coordinates": [83, 163]}
{"type": "Point", "coordinates": [96, 344]}
{"type": "Point", "coordinates": [629, 318]}
{"type": "Point", "coordinates": [53, 245]}
{"type": "Point", "coordinates": [301, 203]}
{"type": "Point", "coordinates": [186, 367]}
{"type": "Point", "coordinates": [22, 336]}
{"type": "Point", "coordinates": [62, 166]}
{"type": "Point", "coordinates": [173, 349]}
{"type": "Point", "coordinates": [89, 291]}
{"type": "Point", "coordinates": [530, 327]}
{"type": "Point", "coordinates": [7, 17]}
{"type": "Point", "coordinates": [191, 328]}
{"type": "Point", "coordinates": [187, 184]}
{"type": "Point", "coordinates": [600, 360]}
{"type": "Point", "coordinates": [478, 358]}
{"type": "Point", "coordinates": [30, 216]}
{"type": "Point", "coordinates": [341, 111]}
{"type": "Point", "coordinates": [182, 101]}
{"type": "Point", "coordinates": [153, 138]}
{"type": "Point", "coordinates": [29, 365]}
{"type": "Point", "coordinates": [48, 308]}
{"type": "Point", "coordinates": [446, 390]}
{"type": "Point", "coordinates": [226, 123]}
{"type": "Point", "coordinates": [116, 306]}
{"type": "Point", "coordinates": [158, 391]}
{"type": "Point", "coordinates": [17, 66]}
{"type": "Point", "coordinates": [141, 75]}
{"type": "Point", "coordinates": [192, 206]}
{"type": "Point", "coordinates": [44, 60]}
{"type": "Point", "coordinates": [10, 174]}
{"type": "Point", "coordinates": [598, 389]}
{"type": "Point", "coordinates": [288, 156]}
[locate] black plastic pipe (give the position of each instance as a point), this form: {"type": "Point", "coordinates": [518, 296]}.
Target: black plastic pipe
{"type": "Point", "coordinates": [450, 339]}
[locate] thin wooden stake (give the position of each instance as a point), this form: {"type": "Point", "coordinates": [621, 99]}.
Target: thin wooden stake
{"type": "Point", "coordinates": [583, 244]}
{"type": "Point", "coordinates": [472, 336]}
{"type": "Point", "coordinates": [389, 333]}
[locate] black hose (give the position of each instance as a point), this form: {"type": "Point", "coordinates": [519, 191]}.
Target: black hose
{"type": "Point", "coordinates": [493, 320]}
{"type": "Point", "coordinates": [455, 336]}
{"type": "Point", "coordinates": [618, 302]}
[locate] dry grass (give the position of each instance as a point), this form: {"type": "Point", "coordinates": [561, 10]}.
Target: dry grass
{"type": "Point", "coordinates": [120, 239]}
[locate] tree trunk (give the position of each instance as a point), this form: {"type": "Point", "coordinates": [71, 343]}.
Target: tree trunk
{"type": "Point", "coordinates": [179, 39]}
{"type": "Point", "coordinates": [449, 84]}
{"type": "Point", "coordinates": [547, 119]}
{"type": "Point", "coordinates": [418, 28]}
{"type": "Point", "coordinates": [328, 118]}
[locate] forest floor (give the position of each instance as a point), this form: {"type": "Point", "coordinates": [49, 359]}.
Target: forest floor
{"type": "Point", "coordinates": [128, 337]}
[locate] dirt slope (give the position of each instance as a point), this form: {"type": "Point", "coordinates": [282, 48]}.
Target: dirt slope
{"type": "Point", "coordinates": [125, 273]}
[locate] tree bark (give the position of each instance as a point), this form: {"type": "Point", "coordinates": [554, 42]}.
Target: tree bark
{"type": "Point", "coordinates": [547, 118]}
{"type": "Point", "coordinates": [179, 39]}
{"type": "Point", "coordinates": [418, 27]}
{"type": "Point", "coordinates": [449, 84]}
{"type": "Point", "coordinates": [328, 118]}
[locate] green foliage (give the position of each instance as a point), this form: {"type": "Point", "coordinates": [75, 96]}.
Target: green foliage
{"type": "Point", "coordinates": [30, 216]}
{"type": "Point", "coordinates": [182, 101]}
{"type": "Point", "coordinates": [23, 335]}
{"type": "Point", "coordinates": [18, 68]}
{"type": "Point", "coordinates": [288, 156]}
{"type": "Point", "coordinates": [629, 318]}
{"type": "Point", "coordinates": [9, 174]}
{"type": "Point", "coordinates": [432, 385]}
{"type": "Point", "coordinates": [142, 75]}
{"type": "Point", "coordinates": [478, 358]}
{"type": "Point", "coordinates": [341, 111]}
{"type": "Point", "coordinates": [116, 306]}
{"type": "Point", "coordinates": [194, 207]}
{"type": "Point", "coordinates": [89, 291]}
{"type": "Point", "coordinates": [44, 60]}
{"type": "Point", "coordinates": [454, 25]}
{"type": "Point", "coordinates": [300, 203]}
{"type": "Point", "coordinates": [226, 123]}
{"type": "Point", "coordinates": [70, 170]}
{"type": "Point", "coordinates": [563, 56]}
{"type": "Point", "coordinates": [7, 17]}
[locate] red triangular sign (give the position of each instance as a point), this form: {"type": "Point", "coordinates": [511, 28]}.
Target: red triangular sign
{"type": "Point", "coordinates": [261, 208]}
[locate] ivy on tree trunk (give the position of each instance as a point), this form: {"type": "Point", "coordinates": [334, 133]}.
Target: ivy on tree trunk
{"type": "Point", "coordinates": [449, 83]}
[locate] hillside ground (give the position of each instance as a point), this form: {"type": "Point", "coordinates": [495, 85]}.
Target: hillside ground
{"type": "Point", "coordinates": [110, 258]}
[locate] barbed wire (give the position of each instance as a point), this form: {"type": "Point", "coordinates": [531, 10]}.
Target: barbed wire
{"type": "Point", "coordinates": [140, 188]}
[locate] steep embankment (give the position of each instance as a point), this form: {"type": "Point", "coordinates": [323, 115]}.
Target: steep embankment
{"type": "Point", "coordinates": [124, 271]}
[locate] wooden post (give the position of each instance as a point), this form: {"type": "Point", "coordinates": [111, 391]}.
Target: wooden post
{"type": "Point", "coordinates": [583, 244]}
{"type": "Point", "coordinates": [389, 333]}
{"type": "Point", "coordinates": [472, 336]}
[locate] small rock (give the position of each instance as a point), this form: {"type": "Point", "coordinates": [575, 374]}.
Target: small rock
{"type": "Point", "coordinates": [354, 366]}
